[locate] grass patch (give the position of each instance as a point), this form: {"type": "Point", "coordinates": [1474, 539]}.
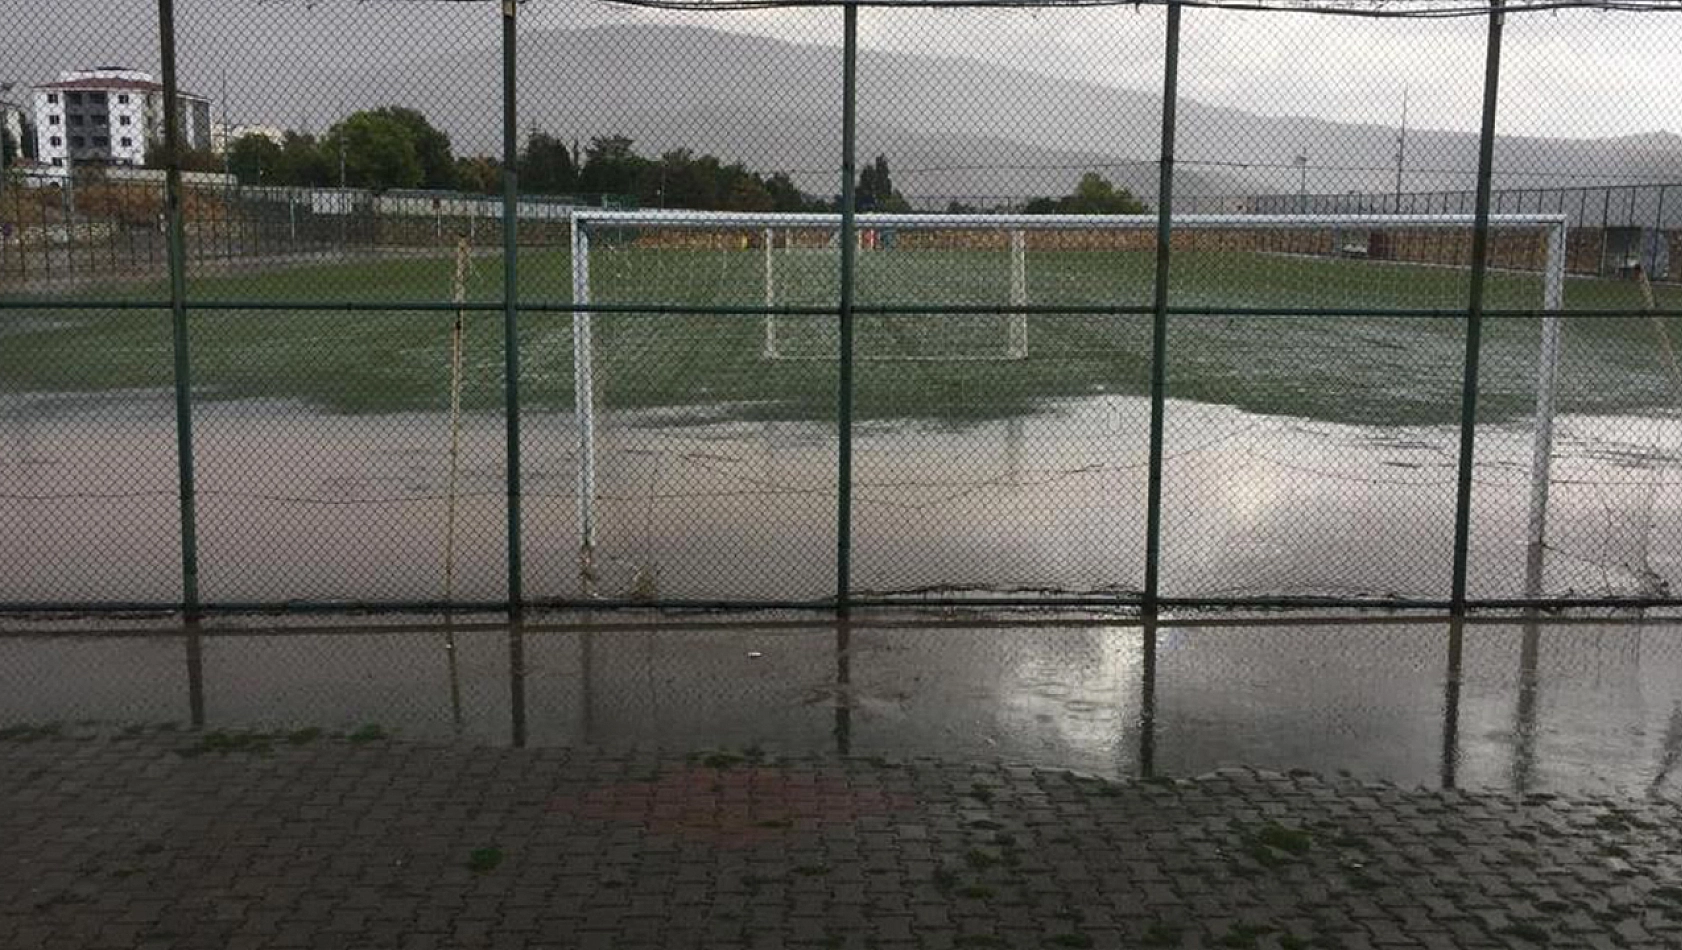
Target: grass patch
{"type": "Point", "coordinates": [985, 824]}
{"type": "Point", "coordinates": [1288, 840]}
{"type": "Point", "coordinates": [1526, 931]}
{"type": "Point", "coordinates": [303, 736]}
{"type": "Point", "coordinates": [1244, 935]}
{"type": "Point", "coordinates": [976, 892]}
{"type": "Point", "coordinates": [372, 732]}
{"type": "Point", "coordinates": [228, 743]}
{"type": "Point", "coordinates": [484, 860]}
{"type": "Point", "coordinates": [979, 859]}
{"type": "Point", "coordinates": [1159, 934]}
{"type": "Point", "coordinates": [722, 760]}
{"type": "Point", "coordinates": [27, 732]}
{"type": "Point", "coordinates": [812, 870]}
{"type": "Point", "coordinates": [1667, 892]}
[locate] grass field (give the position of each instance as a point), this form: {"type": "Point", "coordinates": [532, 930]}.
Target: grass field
{"type": "Point", "coordinates": [1362, 369]}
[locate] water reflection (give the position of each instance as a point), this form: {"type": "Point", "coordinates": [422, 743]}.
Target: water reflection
{"type": "Point", "coordinates": [1526, 706]}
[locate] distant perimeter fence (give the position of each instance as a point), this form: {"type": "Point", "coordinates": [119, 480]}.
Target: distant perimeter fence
{"type": "Point", "coordinates": [1238, 342]}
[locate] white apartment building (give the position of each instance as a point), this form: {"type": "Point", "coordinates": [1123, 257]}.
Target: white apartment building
{"type": "Point", "coordinates": [109, 115]}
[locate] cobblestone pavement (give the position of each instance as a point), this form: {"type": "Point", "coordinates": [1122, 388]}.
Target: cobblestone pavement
{"type": "Point", "coordinates": [156, 839]}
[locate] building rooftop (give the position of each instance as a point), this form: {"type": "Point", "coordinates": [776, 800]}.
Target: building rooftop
{"type": "Point", "coordinates": [106, 85]}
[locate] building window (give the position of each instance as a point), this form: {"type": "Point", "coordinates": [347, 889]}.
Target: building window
{"type": "Point", "coordinates": [58, 162]}
{"type": "Point", "coordinates": [99, 119]}
{"type": "Point", "coordinates": [55, 141]}
{"type": "Point", "coordinates": [52, 119]}
{"type": "Point", "coordinates": [96, 98]}
{"type": "Point", "coordinates": [101, 141]}
{"type": "Point", "coordinates": [122, 98]}
{"type": "Point", "coordinates": [76, 118]}
{"type": "Point", "coordinates": [128, 142]}
{"type": "Point", "coordinates": [52, 98]}
{"type": "Point", "coordinates": [75, 98]}
{"type": "Point", "coordinates": [76, 141]}
{"type": "Point", "coordinates": [123, 120]}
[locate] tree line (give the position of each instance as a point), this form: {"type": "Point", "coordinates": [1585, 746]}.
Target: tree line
{"type": "Point", "coordinates": [397, 147]}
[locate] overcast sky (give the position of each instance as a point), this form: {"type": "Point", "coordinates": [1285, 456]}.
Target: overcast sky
{"type": "Point", "coordinates": [1576, 74]}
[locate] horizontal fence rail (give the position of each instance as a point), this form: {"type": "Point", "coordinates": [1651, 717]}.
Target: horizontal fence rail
{"type": "Point", "coordinates": [382, 364]}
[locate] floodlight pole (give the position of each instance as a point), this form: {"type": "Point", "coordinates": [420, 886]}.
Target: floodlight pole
{"type": "Point", "coordinates": [1474, 313]}
{"type": "Point", "coordinates": [1401, 149]}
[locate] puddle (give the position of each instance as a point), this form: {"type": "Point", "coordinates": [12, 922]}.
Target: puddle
{"type": "Point", "coordinates": [299, 505]}
{"type": "Point", "coordinates": [1580, 707]}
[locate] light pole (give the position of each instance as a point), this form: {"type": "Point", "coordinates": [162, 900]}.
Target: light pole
{"type": "Point", "coordinates": [1302, 182]}
{"type": "Point", "coordinates": [1401, 149]}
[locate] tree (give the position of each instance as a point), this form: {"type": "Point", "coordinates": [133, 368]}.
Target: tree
{"type": "Point", "coordinates": [1093, 194]}
{"type": "Point", "coordinates": [378, 151]}
{"type": "Point", "coordinates": [875, 191]}
{"type": "Point", "coordinates": [611, 166]}
{"type": "Point", "coordinates": [9, 152]}
{"type": "Point", "coordinates": [302, 162]}
{"type": "Point", "coordinates": [683, 181]}
{"type": "Point", "coordinates": [748, 193]}
{"type": "Point", "coordinates": [256, 159]}
{"type": "Point", "coordinates": [480, 174]}
{"type": "Point", "coordinates": [786, 197]}
{"type": "Point", "coordinates": [431, 144]}
{"type": "Point", "coordinates": [546, 167]}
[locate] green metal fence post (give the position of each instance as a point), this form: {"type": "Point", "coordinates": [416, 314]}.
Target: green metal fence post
{"type": "Point", "coordinates": [849, 242]}
{"type": "Point", "coordinates": [1159, 310]}
{"type": "Point", "coordinates": [510, 306]}
{"type": "Point", "coordinates": [1474, 311]}
{"type": "Point", "coordinates": [178, 317]}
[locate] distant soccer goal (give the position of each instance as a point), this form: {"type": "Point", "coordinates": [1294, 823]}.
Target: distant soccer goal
{"type": "Point", "coordinates": [972, 289]}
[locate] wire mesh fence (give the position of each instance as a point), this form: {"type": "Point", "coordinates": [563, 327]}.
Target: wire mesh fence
{"type": "Point", "coordinates": [838, 304]}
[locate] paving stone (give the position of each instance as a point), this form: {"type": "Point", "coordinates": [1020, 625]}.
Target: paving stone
{"type": "Point", "coordinates": [131, 844]}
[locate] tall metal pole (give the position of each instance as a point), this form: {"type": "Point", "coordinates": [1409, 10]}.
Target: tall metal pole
{"type": "Point", "coordinates": [1159, 309]}
{"type": "Point", "coordinates": [849, 248]}
{"type": "Point", "coordinates": [1401, 149]}
{"type": "Point", "coordinates": [510, 306]}
{"type": "Point", "coordinates": [1474, 311]}
{"type": "Point", "coordinates": [178, 317]}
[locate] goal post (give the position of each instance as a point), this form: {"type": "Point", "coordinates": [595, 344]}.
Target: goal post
{"type": "Point", "coordinates": [993, 271]}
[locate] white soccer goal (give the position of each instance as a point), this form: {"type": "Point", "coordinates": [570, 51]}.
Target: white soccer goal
{"type": "Point", "coordinates": [963, 288]}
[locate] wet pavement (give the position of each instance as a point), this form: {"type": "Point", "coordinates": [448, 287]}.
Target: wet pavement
{"type": "Point", "coordinates": [297, 840]}
{"type": "Point", "coordinates": [1591, 707]}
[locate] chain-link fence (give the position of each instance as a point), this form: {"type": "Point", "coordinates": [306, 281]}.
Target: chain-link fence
{"type": "Point", "coordinates": [467, 305]}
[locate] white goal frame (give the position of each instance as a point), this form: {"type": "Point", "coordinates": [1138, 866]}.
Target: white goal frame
{"type": "Point", "coordinates": [1017, 225]}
